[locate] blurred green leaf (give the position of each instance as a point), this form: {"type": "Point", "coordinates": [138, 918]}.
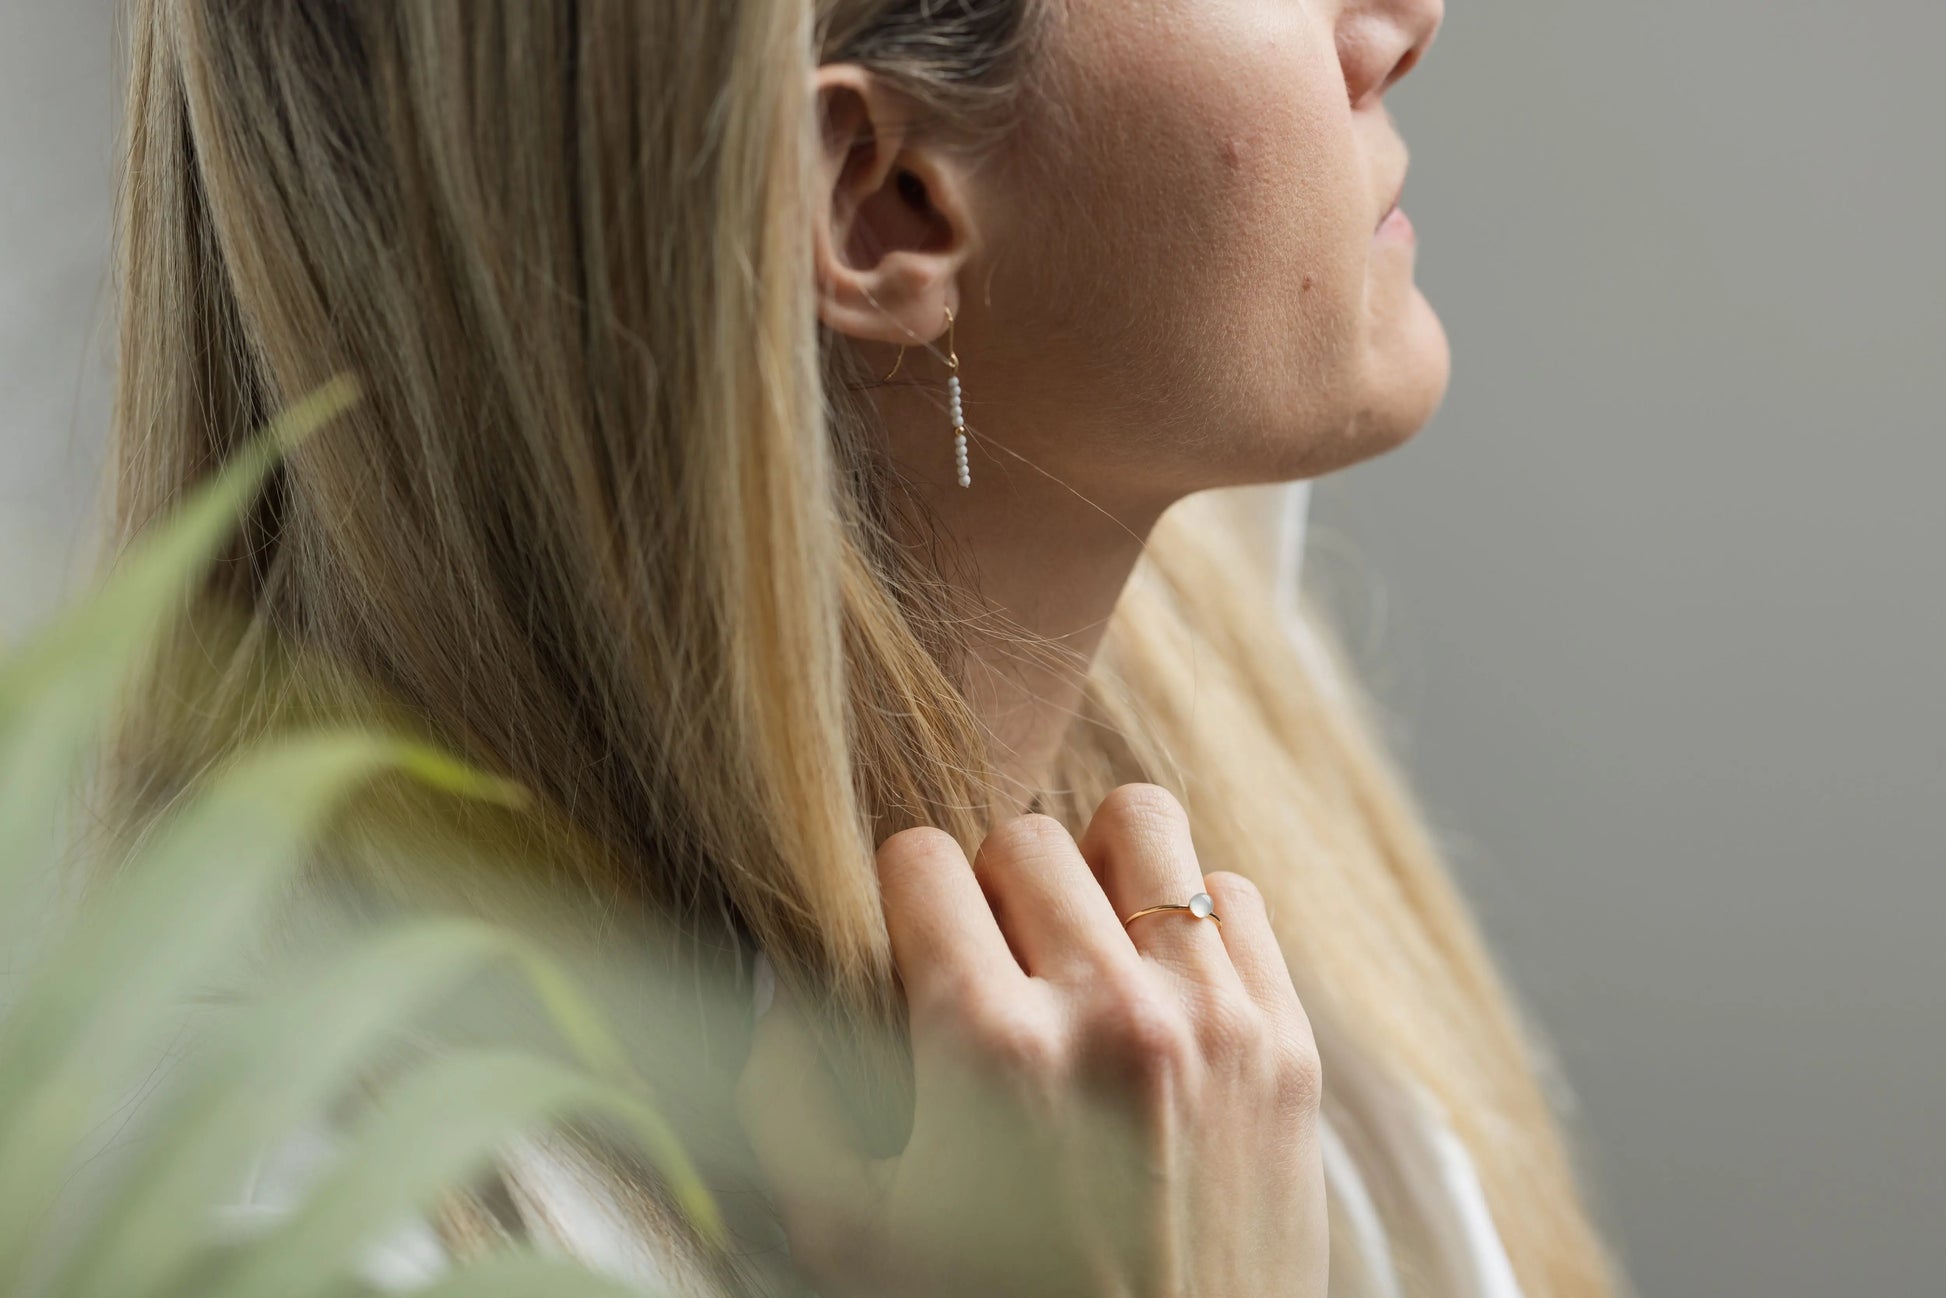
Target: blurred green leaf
{"type": "Point", "coordinates": [274, 1071]}
{"type": "Point", "coordinates": [56, 689]}
{"type": "Point", "coordinates": [95, 1007]}
{"type": "Point", "coordinates": [290, 1054]}
{"type": "Point", "coordinates": [94, 1012]}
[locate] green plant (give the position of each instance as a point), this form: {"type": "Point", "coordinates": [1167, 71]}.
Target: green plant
{"type": "Point", "coordinates": [96, 999]}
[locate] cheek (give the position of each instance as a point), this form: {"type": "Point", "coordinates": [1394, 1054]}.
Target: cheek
{"type": "Point", "coordinates": [1294, 250]}
{"type": "Point", "coordinates": [1217, 203]}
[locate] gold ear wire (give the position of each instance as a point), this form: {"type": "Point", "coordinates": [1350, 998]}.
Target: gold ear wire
{"type": "Point", "coordinates": [952, 356]}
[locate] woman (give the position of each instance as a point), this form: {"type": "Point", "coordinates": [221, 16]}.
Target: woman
{"type": "Point", "coordinates": [779, 423]}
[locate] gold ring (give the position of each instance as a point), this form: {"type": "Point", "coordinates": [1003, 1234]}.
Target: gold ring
{"type": "Point", "coordinates": [1200, 906]}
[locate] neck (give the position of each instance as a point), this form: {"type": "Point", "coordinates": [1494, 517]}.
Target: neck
{"type": "Point", "coordinates": [1041, 544]}
{"type": "Point", "coordinates": [1047, 568]}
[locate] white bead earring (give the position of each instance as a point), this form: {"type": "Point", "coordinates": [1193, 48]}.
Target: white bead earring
{"type": "Point", "coordinates": [953, 395]}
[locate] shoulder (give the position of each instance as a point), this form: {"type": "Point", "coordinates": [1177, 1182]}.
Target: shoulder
{"type": "Point", "coordinates": [1475, 1235]}
{"type": "Point", "coordinates": [1434, 1178]}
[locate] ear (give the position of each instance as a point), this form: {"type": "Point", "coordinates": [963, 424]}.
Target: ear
{"type": "Point", "coordinates": [894, 228]}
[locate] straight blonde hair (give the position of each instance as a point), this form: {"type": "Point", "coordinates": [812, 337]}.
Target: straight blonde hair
{"type": "Point", "coordinates": [612, 517]}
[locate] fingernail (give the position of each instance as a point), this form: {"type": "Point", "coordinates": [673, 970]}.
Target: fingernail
{"type": "Point", "coordinates": [763, 980]}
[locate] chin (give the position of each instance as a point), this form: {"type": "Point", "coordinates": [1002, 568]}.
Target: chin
{"type": "Point", "coordinates": [1378, 405]}
{"type": "Point", "coordinates": [1405, 380]}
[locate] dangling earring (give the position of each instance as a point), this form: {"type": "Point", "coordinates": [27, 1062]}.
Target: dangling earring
{"type": "Point", "coordinates": [952, 392]}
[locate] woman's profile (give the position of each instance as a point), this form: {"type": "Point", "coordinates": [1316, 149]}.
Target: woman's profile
{"type": "Point", "coordinates": [791, 445]}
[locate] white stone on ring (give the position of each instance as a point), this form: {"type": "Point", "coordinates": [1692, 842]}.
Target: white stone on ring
{"type": "Point", "coordinates": [1200, 905]}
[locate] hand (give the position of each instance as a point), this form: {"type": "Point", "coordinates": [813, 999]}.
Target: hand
{"type": "Point", "coordinates": [1098, 1110]}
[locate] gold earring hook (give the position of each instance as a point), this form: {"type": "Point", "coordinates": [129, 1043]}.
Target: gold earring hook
{"type": "Point", "coordinates": [952, 353]}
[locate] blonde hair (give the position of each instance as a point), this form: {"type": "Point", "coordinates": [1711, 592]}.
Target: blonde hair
{"type": "Point", "coordinates": [611, 517]}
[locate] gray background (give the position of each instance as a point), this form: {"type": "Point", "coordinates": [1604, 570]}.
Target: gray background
{"type": "Point", "coordinates": [1657, 604]}
{"type": "Point", "coordinates": [58, 108]}
{"type": "Point", "coordinates": [1659, 601]}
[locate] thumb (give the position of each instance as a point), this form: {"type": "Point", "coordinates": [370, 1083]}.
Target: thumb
{"type": "Point", "coordinates": [798, 1129]}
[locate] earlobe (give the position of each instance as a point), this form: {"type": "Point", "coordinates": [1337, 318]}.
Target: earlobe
{"type": "Point", "coordinates": [891, 230]}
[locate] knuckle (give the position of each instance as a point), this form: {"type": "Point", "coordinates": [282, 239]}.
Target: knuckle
{"type": "Point", "coordinates": [959, 996]}
{"type": "Point", "coordinates": [1142, 803]}
{"type": "Point", "coordinates": [1010, 1040]}
{"type": "Point", "coordinates": [1145, 1036]}
{"type": "Point", "coordinates": [1298, 1073]}
{"type": "Point", "coordinates": [1023, 1049]}
{"type": "Point", "coordinates": [1230, 1030]}
{"type": "Point", "coordinates": [1032, 837]}
{"type": "Point", "coordinates": [911, 848]}
{"type": "Point", "coordinates": [1233, 889]}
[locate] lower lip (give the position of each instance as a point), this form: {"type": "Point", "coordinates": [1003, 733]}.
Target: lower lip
{"type": "Point", "coordinates": [1395, 227]}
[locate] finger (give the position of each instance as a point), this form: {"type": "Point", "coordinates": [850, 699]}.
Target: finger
{"type": "Point", "coordinates": [943, 932]}
{"type": "Point", "coordinates": [1138, 842]}
{"type": "Point", "coordinates": [797, 1128]}
{"type": "Point", "coordinates": [1254, 950]}
{"type": "Point", "coordinates": [1050, 905]}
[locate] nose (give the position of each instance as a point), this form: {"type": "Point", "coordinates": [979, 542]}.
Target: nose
{"type": "Point", "coordinates": [1379, 41]}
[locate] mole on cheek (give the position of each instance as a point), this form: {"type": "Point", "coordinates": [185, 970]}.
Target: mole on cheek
{"type": "Point", "coordinates": [1307, 284]}
{"type": "Point", "coordinates": [1232, 153]}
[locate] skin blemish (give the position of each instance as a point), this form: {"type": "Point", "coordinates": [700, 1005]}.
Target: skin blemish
{"type": "Point", "coordinates": [1307, 284]}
